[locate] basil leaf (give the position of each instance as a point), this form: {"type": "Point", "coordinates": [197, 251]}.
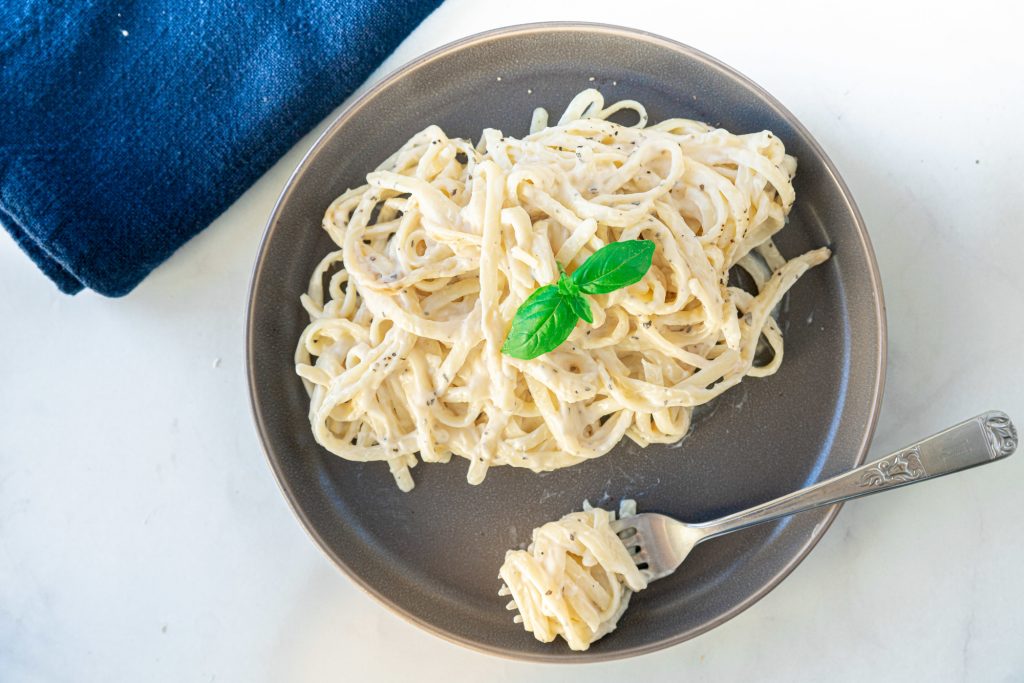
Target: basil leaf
{"type": "Point", "coordinates": [567, 287]}
{"type": "Point", "coordinates": [581, 307]}
{"type": "Point", "coordinates": [614, 266]}
{"type": "Point", "coordinates": [548, 316]}
{"type": "Point", "coordinates": [545, 320]}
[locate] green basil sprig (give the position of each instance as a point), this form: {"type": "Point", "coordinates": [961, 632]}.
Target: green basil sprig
{"type": "Point", "coordinates": [548, 316]}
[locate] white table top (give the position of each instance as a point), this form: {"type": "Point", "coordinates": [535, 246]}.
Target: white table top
{"type": "Point", "coordinates": [143, 538]}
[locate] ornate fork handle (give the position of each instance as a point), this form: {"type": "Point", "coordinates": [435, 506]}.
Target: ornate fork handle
{"type": "Point", "coordinates": [982, 439]}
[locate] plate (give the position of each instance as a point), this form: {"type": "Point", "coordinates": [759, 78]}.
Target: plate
{"type": "Point", "coordinates": [432, 555]}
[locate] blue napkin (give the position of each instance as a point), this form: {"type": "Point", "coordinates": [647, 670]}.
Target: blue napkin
{"type": "Point", "coordinates": [127, 126]}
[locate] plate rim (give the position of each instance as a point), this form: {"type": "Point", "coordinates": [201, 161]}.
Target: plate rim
{"type": "Point", "coordinates": [881, 341]}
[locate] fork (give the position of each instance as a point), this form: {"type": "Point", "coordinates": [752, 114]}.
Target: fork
{"type": "Point", "coordinates": [659, 543]}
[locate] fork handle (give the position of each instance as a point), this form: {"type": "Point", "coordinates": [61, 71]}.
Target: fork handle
{"type": "Point", "coordinates": [983, 439]}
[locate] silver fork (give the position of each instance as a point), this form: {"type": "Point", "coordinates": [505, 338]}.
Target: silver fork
{"type": "Point", "coordinates": [659, 543]}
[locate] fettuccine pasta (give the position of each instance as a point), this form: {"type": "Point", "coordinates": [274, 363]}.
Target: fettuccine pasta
{"type": "Point", "coordinates": [574, 580]}
{"type": "Point", "coordinates": [446, 239]}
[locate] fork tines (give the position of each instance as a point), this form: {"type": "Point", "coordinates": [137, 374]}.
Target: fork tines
{"type": "Point", "coordinates": [511, 606]}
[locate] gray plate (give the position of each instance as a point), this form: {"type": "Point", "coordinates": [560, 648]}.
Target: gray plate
{"type": "Point", "coordinates": [433, 554]}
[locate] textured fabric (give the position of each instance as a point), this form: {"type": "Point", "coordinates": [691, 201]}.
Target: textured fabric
{"type": "Point", "coordinates": [127, 127]}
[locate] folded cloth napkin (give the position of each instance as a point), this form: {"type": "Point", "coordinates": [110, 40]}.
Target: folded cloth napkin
{"type": "Point", "coordinates": [127, 126]}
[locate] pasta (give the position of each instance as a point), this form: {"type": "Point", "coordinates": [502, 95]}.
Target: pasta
{"type": "Point", "coordinates": [574, 580]}
{"type": "Point", "coordinates": [446, 239]}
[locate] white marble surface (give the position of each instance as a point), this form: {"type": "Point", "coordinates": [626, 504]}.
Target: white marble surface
{"type": "Point", "coordinates": [142, 537]}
